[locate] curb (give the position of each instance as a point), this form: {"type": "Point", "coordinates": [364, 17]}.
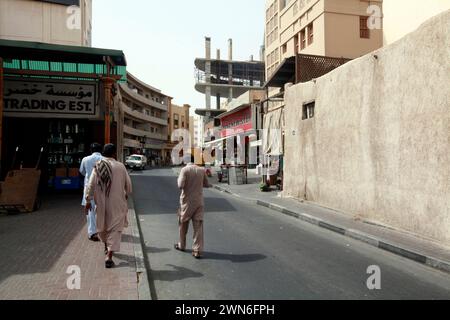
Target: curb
{"type": "Point", "coordinates": [354, 234]}
{"type": "Point", "coordinates": [142, 272]}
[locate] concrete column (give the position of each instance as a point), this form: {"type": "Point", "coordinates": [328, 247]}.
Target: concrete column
{"type": "Point", "coordinates": [218, 54]}
{"type": "Point", "coordinates": [208, 72]}
{"type": "Point", "coordinates": [1, 111]}
{"type": "Point", "coordinates": [207, 48]}
{"type": "Point", "coordinates": [218, 101]}
{"type": "Point", "coordinates": [108, 84]}
{"type": "Point", "coordinates": [230, 69]}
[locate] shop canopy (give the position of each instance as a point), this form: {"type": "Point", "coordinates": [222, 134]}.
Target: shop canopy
{"type": "Point", "coordinates": [303, 68]}
{"type": "Point", "coordinates": [283, 74]}
{"type": "Point", "coordinates": [24, 57]}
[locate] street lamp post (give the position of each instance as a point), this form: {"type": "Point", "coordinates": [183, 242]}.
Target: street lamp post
{"type": "Point", "coordinates": [143, 141]}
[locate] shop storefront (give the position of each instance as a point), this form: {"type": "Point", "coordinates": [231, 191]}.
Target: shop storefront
{"type": "Point", "coordinates": [56, 101]}
{"type": "Point", "coordinates": [239, 128]}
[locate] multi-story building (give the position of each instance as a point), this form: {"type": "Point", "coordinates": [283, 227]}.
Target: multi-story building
{"type": "Point", "coordinates": [332, 28]}
{"type": "Point", "coordinates": [146, 113]}
{"type": "Point", "coordinates": [178, 119]}
{"type": "Point", "coordinates": [65, 22]}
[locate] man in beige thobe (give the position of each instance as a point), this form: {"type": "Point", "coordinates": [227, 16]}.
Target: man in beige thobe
{"type": "Point", "coordinates": [191, 181]}
{"type": "Point", "coordinates": [109, 186]}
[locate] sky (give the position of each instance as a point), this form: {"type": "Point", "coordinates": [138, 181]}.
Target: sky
{"type": "Point", "coordinates": [161, 39]}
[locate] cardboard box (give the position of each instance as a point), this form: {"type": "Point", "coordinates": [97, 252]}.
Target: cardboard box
{"type": "Point", "coordinates": [61, 172]}
{"type": "Point", "coordinates": [74, 172]}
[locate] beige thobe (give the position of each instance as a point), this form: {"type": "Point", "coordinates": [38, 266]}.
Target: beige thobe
{"type": "Point", "coordinates": [191, 181]}
{"type": "Point", "coordinates": [111, 211]}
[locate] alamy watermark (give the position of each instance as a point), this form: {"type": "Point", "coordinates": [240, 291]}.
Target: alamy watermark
{"type": "Point", "coordinates": [74, 280]}
{"type": "Point", "coordinates": [73, 21]}
{"type": "Point", "coordinates": [375, 17]}
{"type": "Point", "coordinates": [374, 280]}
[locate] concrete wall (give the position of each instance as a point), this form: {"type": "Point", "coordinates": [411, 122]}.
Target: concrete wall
{"type": "Point", "coordinates": [29, 20]}
{"type": "Point", "coordinates": [404, 16]}
{"type": "Point", "coordinates": [379, 145]}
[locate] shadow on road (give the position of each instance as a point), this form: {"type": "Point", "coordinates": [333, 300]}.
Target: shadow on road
{"type": "Point", "coordinates": [235, 258]}
{"type": "Point", "coordinates": [157, 250]}
{"type": "Point", "coordinates": [179, 273]}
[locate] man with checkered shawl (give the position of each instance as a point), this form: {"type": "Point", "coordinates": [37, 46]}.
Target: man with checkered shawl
{"type": "Point", "coordinates": [110, 186]}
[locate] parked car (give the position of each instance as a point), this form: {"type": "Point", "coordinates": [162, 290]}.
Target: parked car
{"type": "Point", "coordinates": [136, 162]}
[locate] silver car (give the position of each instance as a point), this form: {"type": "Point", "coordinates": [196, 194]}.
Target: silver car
{"type": "Point", "coordinates": [136, 162]}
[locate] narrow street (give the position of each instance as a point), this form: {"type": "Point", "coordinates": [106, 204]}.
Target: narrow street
{"type": "Point", "coordinates": [256, 253]}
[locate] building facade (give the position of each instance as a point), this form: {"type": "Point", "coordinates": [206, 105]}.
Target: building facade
{"type": "Point", "coordinates": [179, 118]}
{"type": "Point", "coordinates": [332, 28]}
{"type": "Point", "coordinates": [145, 119]}
{"type": "Point", "coordinates": [64, 22]}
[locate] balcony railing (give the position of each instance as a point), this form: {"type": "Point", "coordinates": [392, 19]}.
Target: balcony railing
{"type": "Point", "coordinates": [143, 133]}
{"type": "Point", "coordinates": [142, 116]}
{"type": "Point", "coordinates": [142, 99]}
{"type": "Point", "coordinates": [130, 143]}
{"type": "Point", "coordinates": [200, 78]}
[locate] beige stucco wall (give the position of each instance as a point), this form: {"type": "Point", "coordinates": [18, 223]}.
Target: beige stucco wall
{"type": "Point", "coordinates": [28, 20]}
{"type": "Point", "coordinates": [342, 36]}
{"type": "Point", "coordinates": [404, 16]}
{"type": "Point", "coordinates": [379, 144]}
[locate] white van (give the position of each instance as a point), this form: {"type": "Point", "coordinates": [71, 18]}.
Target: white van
{"type": "Point", "coordinates": [136, 161]}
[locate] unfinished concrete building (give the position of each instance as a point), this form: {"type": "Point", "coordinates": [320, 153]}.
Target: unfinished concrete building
{"type": "Point", "coordinates": [224, 79]}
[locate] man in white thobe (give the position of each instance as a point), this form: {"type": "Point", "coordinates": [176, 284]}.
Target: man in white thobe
{"type": "Point", "coordinates": [86, 168]}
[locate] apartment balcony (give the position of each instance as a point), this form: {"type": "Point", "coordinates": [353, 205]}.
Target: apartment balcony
{"type": "Point", "coordinates": [142, 116]}
{"type": "Point", "coordinates": [148, 102]}
{"type": "Point", "coordinates": [130, 143]}
{"type": "Point", "coordinates": [221, 84]}
{"type": "Point", "coordinates": [143, 133]}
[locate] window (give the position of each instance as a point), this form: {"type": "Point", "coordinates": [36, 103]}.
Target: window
{"type": "Point", "coordinates": [303, 39]}
{"type": "Point", "coordinates": [308, 110]}
{"type": "Point", "coordinates": [364, 31]}
{"type": "Point", "coordinates": [296, 45]}
{"type": "Point", "coordinates": [284, 48]}
{"type": "Point", "coordinates": [310, 34]}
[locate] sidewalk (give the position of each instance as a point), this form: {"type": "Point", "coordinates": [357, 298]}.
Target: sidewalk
{"type": "Point", "coordinates": [399, 242]}
{"type": "Point", "coordinates": [37, 249]}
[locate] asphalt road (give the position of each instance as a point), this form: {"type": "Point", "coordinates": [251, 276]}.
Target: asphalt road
{"type": "Point", "coordinates": [254, 253]}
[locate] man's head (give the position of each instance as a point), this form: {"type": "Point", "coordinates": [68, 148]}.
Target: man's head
{"type": "Point", "coordinates": [96, 147]}
{"type": "Point", "coordinates": [109, 151]}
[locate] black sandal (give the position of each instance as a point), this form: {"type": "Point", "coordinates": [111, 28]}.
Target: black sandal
{"type": "Point", "coordinates": [109, 264]}
{"type": "Point", "coordinates": [94, 238]}
{"type": "Point", "coordinates": [177, 247]}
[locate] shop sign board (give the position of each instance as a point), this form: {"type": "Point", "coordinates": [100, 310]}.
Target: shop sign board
{"type": "Point", "coordinates": [237, 122]}
{"type": "Point", "coordinates": [50, 99]}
